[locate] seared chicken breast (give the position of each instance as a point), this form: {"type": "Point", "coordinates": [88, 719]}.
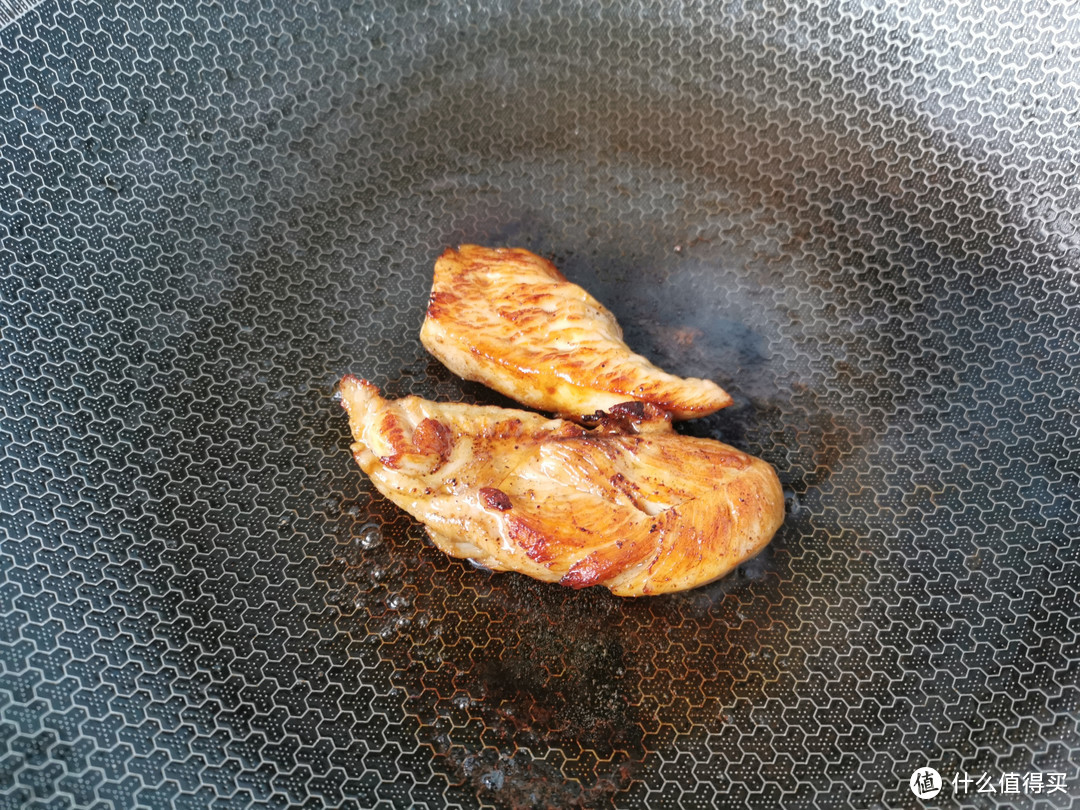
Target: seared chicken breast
{"type": "Point", "coordinates": [507, 318]}
{"type": "Point", "coordinates": [627, 503]}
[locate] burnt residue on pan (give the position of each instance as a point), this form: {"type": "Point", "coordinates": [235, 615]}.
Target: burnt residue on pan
{"type": "Point", "coordinates": [556, 696]}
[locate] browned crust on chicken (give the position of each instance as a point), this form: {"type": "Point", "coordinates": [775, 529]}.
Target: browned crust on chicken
{"type": "Point", "coordinates": [433, 438]}
{"type": "Point", "coordinates": [495, 498]}
{"type": "Point", "coordinates": [509, 319]}
{"type": "Point", "coordinates": [631, 505]}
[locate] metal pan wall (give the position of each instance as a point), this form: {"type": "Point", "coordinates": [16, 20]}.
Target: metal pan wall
{"type": "Point", "coordinates": [860, 219]}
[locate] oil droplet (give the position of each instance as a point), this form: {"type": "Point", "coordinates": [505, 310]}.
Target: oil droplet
{"type": "Point", "coordinates": [791, 501]}
{"type": "Point", "coordinates": [370, 536]}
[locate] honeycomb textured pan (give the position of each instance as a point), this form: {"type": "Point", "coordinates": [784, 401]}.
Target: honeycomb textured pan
{"type": "Point", "coordinates": [859, 218]}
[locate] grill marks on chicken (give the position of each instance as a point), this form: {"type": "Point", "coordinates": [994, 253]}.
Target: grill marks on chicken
{"type": "Point", "coordinates": [509, 319]}
{"type": "Point", "coordinates": [627, 503]}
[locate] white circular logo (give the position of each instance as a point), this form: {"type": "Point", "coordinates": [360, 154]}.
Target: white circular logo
{"type": "Point", "coordinates": [926, 783]}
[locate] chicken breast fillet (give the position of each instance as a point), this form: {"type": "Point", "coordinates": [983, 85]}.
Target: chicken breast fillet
{"type": "Point", "coordinates": [628, 504]}
{"type": "Point", "coordinates": [507, 318]}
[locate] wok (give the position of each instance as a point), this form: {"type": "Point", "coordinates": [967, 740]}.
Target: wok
{"type": "Point", "coordinates": [858, 218]}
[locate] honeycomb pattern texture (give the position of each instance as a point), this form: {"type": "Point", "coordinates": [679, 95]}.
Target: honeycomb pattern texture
{"type": "Point", "coordinates": [860, 218]}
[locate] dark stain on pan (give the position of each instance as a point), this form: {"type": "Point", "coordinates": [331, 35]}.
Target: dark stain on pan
{"type": "Point", "coordinates": [557, 683]}
{"type": "Point", "coordinates": [530, 701]}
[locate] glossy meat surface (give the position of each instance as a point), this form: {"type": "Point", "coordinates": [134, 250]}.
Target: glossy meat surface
{"type": "Point", "coordinates": [628, 504]}
{"type": "Point", "coordinates": [507, 318]}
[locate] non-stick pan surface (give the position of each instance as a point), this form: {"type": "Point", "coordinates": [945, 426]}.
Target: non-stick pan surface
{"type": "Point", "coordinates": [860, 219]}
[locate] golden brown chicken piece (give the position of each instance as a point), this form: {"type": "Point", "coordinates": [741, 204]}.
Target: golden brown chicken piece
{"type": "Point", "coordinates": [507, 318]}
{"type": "Point", "coordinates": [628, 504]}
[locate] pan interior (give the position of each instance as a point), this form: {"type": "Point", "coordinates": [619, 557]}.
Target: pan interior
{"type": "Point", "coordinates": [859, 220]}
